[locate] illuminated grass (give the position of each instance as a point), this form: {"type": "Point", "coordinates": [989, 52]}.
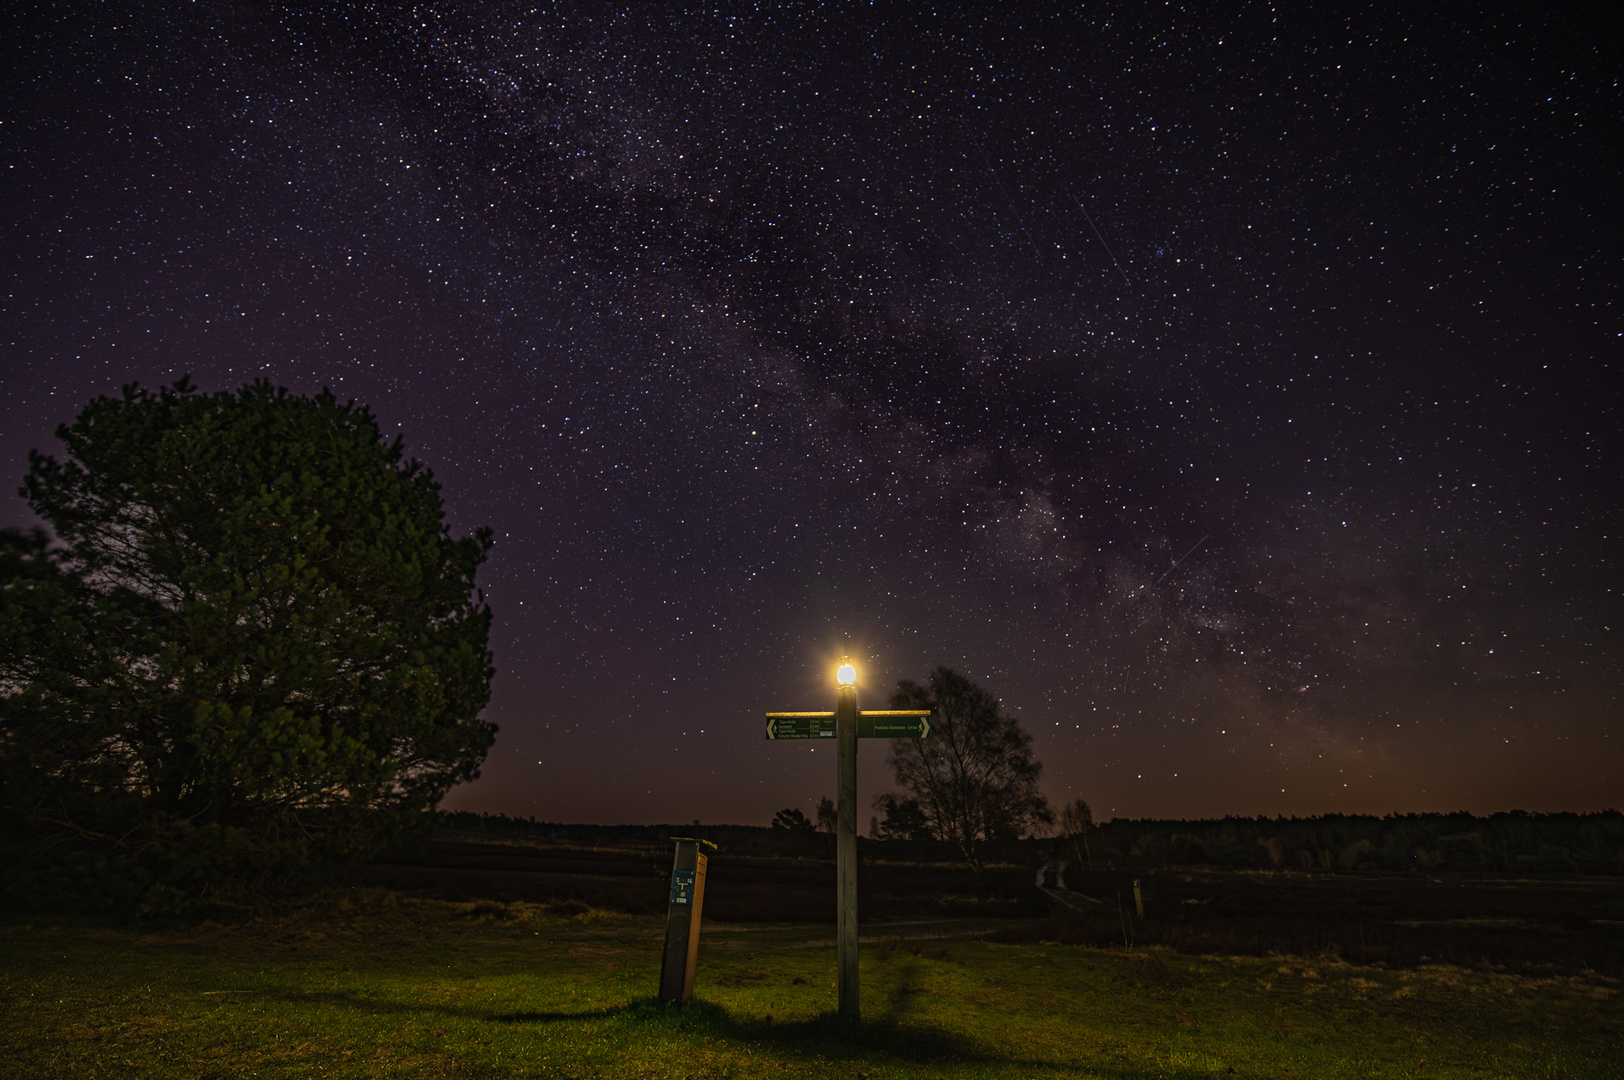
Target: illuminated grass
{"type": "Point", "coordinates": [395, 987]}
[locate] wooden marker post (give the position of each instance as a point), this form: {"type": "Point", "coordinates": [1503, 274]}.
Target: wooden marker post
{"type": "Point", "coordinates": [681, 956]}
{"type": "Point", "coordinates": [846, 725]}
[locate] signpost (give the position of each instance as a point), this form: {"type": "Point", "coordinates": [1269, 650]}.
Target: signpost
{"type": "Point", "coordinates": [846, 725]}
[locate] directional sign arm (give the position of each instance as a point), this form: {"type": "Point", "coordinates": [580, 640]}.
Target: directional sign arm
{"type": "Point", "coordinates": [800, 725]}
{"type": "Point", "coordinates": [893, 724]}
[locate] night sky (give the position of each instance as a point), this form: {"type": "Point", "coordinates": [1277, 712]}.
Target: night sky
{"type": "Point", "coordinates": [1232, 389]}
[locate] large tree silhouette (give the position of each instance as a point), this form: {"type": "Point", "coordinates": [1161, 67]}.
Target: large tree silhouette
{"type": "Point", "coordinates": [975, 777]}
{"type": "Point", "coordinates": [257, 650]}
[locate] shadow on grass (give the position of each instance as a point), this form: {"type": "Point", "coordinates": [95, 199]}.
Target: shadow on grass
{"type": "Point", "coordinates": [892, 1036]}
{"type": "Point", "coordinates": [699, 1017]}
{"type": "Point", "coordinates": [823, 1034]}
{"type": "Point", "coordinates": [827, 1037]}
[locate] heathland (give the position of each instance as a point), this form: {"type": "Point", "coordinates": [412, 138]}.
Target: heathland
{"type": "Point", "coordinates": [367, 983]}
{"type": "Point", "coordinates": [518, 954]}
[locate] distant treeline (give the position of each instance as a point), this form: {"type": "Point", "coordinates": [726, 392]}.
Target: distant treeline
{"type": "Point", "coordinates": [1514, 842]}
{"type": "Point", "coordinates": [741, 838]}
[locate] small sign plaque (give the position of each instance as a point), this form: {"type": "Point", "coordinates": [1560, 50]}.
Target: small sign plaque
{"type": "Point", "coordinates": [682, 886]}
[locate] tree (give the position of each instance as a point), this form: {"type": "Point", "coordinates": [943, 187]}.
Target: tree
{"type": "Point", "coordinates": [257, 651]}
{"type": "Point", "coordinates": [792, 819]}
{"type": "Point", "coordinates": [828, 816]}
{"type": "Point", "coordinates": [1076, 820]}
{"type": "Point", "coordinates": [904, 820]}
{"type": "Point", "coordinates": [975, 778]}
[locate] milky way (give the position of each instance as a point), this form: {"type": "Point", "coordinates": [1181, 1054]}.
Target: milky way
{"type": "Point", "coordinates": [1233, 390]}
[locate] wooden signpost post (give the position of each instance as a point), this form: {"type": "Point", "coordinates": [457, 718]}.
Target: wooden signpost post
{"type": "Point", "coordinates": [846, 725]}
{"type": "Point", "coordinates": [681, 956]}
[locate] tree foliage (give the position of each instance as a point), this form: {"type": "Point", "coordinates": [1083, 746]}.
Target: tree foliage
{"type": "Point", "coordinates": [828, 816]}
{"type": "Point", "coordinates": [1076, 818]}
{"type": "Point", "coordinates": [904, 820]}
{"type": "Point", "coordinates": [1076, 821]}
{"type": "Point", "coordinates": [257, 650]}
{"type": "Point", "coordinates": [975, 778]}
{"type": "Point", "coordinates": [792, 819]}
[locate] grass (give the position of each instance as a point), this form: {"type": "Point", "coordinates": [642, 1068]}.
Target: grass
{"type": "Point", "coordinates": [386, 986]}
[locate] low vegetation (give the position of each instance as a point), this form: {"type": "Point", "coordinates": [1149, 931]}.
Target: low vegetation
{"type": "Point", "coordinates": [369, 983]}
{"type": "Point", "coordinates": [1513, 842]}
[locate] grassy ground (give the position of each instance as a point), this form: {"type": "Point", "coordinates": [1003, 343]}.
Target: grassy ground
{"type": "Point", "coordinates": [384, 986]}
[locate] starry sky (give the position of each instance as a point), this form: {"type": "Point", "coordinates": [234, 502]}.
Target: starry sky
{"type": "Point", "coordinates": [1230, 388]}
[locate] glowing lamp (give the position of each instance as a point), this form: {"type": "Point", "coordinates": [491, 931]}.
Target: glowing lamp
{"type": "Point", "coordinates": [847, 675]}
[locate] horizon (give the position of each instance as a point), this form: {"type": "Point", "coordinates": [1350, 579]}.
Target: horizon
{"type": "Point", "coordinates": [1391, 816]}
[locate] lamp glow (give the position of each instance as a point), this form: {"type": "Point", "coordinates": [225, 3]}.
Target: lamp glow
{"type": "Point", "coordinates": [847, 675]}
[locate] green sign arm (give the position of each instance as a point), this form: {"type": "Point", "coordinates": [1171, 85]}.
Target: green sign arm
{"type": "Point", "coordinates": [893, 724]}
{"type": "Point", "coordinates": [800, 725]}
